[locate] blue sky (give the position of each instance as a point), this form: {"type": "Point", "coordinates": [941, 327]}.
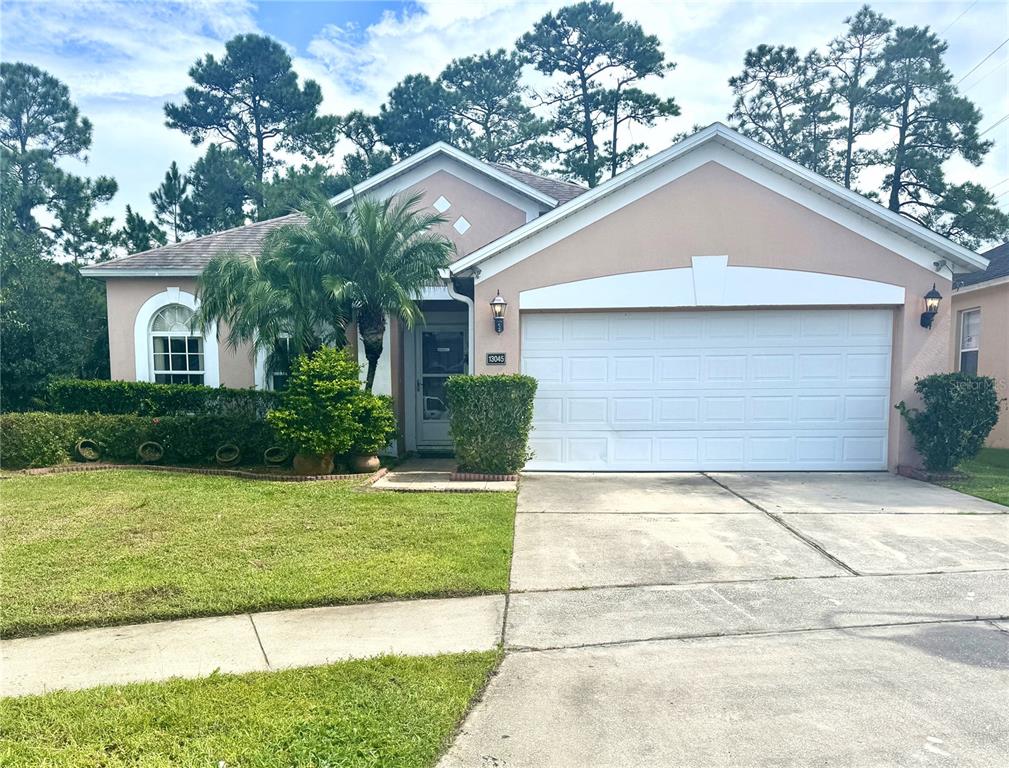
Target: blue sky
{"type": "Point", "coordinates": [124, 59]}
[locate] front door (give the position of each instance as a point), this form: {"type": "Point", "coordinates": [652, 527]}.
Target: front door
{"type": "Point", "coordinates": [441, 352]}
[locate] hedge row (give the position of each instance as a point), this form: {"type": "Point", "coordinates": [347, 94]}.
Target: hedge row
{"type": "Point", "coordinates": [490, 418]}
{"type": "Point", "coordinates": [142, 398]}
{"type": "Point", "coordinates": [42, 439]}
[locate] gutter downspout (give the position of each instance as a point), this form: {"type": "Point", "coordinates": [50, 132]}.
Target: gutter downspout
{"type": "Point", "coordinates": [470, 324]}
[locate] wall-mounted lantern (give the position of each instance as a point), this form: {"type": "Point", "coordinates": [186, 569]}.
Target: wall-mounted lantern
{"type": "Point", "coordinates": [498, 307]}
{"type": "Point", "coordinates": [932, 299]}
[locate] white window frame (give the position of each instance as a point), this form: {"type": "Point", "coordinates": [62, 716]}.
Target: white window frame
{"type": "Point", "coordinates": [170, 335]}
{"type": "Point", "coordinates": [143, 344]}
{"type": "Point", "coordinates": [960, 339]}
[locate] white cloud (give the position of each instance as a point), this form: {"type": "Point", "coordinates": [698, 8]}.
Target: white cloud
{"type": "Point", "coordinates": [122, 60]}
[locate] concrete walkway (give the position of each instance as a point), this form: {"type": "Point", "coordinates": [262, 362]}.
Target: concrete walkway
{"type": "Point", "coordinates": [248, 643]}
{"type": "Point", "coordinates": [432, 475]}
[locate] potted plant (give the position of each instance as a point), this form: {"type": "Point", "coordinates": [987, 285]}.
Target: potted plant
{"type": "Point", "coordinates": [376, 426]}
{"type": "Point", "coordinates": [228, 455]}
{"type": "Point", "coordinates": [317, 409]}
{"type": "Point", "coordinates": [150, 452]}
{"type": "Point", "coordinates": [88, 450]}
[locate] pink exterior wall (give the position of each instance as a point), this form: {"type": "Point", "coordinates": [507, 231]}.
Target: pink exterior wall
{"type": "Point", "coordinates": [125, 296]}
{"type": "Point", "coordinates": [993, 353]}
{"type": "Point", "coordinates": [715, 211]}
{"type": "Point", "coordinates": [489, 216]}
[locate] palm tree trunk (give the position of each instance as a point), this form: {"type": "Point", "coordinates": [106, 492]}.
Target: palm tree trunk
{"type": "Point", "coordinates": [371, 326]}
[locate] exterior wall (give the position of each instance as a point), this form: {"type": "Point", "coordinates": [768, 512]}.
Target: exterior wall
{"type": "Point", "coordinates": [489, 216]}
{"type": "Point", "coordinates": [125, 296]}
{"type": "Point", "coordinates": [713, 210]}
{"type": "Point", "coordinates": [993, 354]}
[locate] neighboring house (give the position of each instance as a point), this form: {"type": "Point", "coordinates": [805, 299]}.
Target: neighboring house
{"type": "Point", "coordinates": [717, 307]}
{"type": "Point", "coordinates": [981, 329]}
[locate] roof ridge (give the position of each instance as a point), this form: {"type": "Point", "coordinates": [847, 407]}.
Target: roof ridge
{"type": "Point", "coordinates": [554, 179]}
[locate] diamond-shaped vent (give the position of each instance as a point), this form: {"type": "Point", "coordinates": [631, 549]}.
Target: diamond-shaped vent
{"type": "Point", "coordinates": [461, 225]}
{"type": "Point", "coordinates": [441, 205]}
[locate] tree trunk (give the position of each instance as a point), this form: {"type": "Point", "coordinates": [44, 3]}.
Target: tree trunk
{"type": "Point", "coordinates": [371, 326]}
{"type": "Point", "coordinates": [898, 166]}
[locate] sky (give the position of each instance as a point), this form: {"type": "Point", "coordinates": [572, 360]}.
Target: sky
{"type": "Point", "coordinates": [123, 59]}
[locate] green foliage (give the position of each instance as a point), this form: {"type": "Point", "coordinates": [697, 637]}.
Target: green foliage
{"type": "Point", "coordinates": [393, 712]}
{"type": "Point", "coordinates": [319, 408]}
{"type": "Point", "coordinates": [296, 187]}
{"type": "Point", "coordinates": [138, 234]}
{"type": "Point", "coordinates": [40, 127]}
{"type": "Point", "coordinates": [600, 57]}
{"type": "Point", "coordinates": [490, 421]}
{"type": "Point", "coordinates": [484, 95]}
{"type": "Point", "coordinates": [960, 410]}
{"type": "Point", "coordinates": [251, 100]}
{"type": "Point", "coordinates": [142, 398]}
{"type": "Point", "coordinates": [46, 439]}
{"type": "Point", "coordinates": [414, 116]}
{"type": "Point", "coordinates": [221, 185]}
{"type": "Point", "coordinates": [168, 200]}
{"type": "Point", "coordinates": [53, 324]}
{"type": "Point", "coordinates": [376, 424]}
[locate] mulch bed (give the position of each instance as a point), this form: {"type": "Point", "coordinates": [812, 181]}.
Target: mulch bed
{"type": "Point", "coordinates": [916, 473]}
{"type": "Point", "coordinates": [247, 474]}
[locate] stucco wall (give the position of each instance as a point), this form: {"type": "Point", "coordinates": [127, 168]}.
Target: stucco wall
{"type": "Point", "coordinates": [715, 211]}
{"type": "Point", "coordinates": [125, 296]}
{"type": "Point", "coordinates": [993, 352]}
{"type": "Point", "coordinates": [489, 216]}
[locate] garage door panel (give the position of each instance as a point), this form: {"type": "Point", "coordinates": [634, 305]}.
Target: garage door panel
{"type": "Point", "coordinates": [781, 389]}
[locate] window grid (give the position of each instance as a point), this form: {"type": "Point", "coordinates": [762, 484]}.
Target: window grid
{"type": "Point", "coordinates": [970, 340]}
{"type": "Point", "coordinates": [177, 353]}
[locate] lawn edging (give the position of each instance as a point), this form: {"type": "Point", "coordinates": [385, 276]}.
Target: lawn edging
{"type": "Point", "coordinates": [367, 477]}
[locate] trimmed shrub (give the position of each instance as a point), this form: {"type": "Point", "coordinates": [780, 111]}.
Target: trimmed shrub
{"type": "Point", "coordinates": [47, 439]}
{"type": "Point", "coordinates": [36, 439]}
{"type": "Point", "coordinates": [490, 421]}
{"type": "Point", "coordinates": [324, 411]}
{"type": "Point", "coordinates": [142, 398]}
{"type": "Point", "coordinates": [960, 410]}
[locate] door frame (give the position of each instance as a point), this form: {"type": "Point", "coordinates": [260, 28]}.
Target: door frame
{"type": "Point", "coordinates": [411, 374]}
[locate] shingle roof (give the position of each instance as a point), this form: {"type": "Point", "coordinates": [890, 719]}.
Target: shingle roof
{"type": "Point", "coordinates": [998, 266]}
{"type": "Point", "coordinates": [561, 191]}
{"type": "Point", "coordinates": [195, 254]}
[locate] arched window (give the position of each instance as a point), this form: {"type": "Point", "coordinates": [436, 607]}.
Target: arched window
{"type": "Point", "coordinates": [178, 356]}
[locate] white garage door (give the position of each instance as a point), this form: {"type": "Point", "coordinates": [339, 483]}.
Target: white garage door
{"type": "Point", "coordinates": [710, 390]}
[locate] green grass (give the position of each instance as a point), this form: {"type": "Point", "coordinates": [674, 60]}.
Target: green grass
{"type": "Point", "coordinates": [127, 546]}
{"type": "Point", "coordinates": [391, 712]}
{"type": "Point", "coordinates": [988, 476]}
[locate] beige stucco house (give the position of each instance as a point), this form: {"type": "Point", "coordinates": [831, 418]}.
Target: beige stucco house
{"type": "Point", "coordinates": [980, 341]}
{"type": "Point", "coordinates": [717, 307]}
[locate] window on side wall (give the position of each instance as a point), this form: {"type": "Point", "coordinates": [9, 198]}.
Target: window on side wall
{"type": "Point", "coordinates": [280, 364]}
{"type": "Point", "coordinates": [970, 340]}
{"type": "Point", "coordinates": [177, 352]}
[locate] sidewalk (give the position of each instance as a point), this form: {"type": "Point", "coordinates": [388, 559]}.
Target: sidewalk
{"type": "Point", "coordinates": [424, 474]}
{"type": "Point", "coordinates": [248, 643]}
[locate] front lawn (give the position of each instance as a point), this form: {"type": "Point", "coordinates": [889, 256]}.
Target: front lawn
{"type": "Point", "coordinates": [391, 712]}
{"type": "Point", "coordinates": [989, 476]}
{"type": "Point", "coordinates": [127, 546]}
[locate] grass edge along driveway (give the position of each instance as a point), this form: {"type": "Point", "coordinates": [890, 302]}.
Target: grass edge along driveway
{"type": "Point", "coordinates": [127, 546]}
{"type": "Point", "coordinates": [988, 476]}
{"type": "Point", "coordinates": [388, 712]}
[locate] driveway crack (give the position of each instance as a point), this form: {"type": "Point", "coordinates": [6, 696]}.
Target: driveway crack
{"type": "Point", "coordinates": [798, 534]}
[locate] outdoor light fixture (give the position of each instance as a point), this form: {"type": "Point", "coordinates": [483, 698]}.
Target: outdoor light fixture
{"type": "Point", "coordinates": [498, 307]}
{"type": "Point", "coordinates": [932, 299]}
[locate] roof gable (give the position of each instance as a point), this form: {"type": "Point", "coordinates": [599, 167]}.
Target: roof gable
{"type": "Point", "coordinates": [721, 144]}
{"type": "Point", "coordinates": [998, 269]}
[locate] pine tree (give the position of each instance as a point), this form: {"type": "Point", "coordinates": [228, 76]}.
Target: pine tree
{"type": "Point", "coordinates": [169, 199]}
{"type": "Point", "coordinates": [138, 234]}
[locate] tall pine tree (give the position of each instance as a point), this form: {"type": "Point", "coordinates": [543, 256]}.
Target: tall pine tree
{"type": "Point", "coordinates": [169, 200]}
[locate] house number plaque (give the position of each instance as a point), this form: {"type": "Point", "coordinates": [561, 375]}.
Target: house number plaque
{"type": "Point", "coordinates": [495, 358]}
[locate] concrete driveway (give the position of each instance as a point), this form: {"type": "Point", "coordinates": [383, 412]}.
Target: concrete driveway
{"type": "Point", "coordinates": [749, 620]}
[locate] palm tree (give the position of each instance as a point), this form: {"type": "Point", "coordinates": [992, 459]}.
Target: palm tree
{"type": "Point", "coordinates": [382, 254]}
{"type": "Point", "coordinates": [317, 275]}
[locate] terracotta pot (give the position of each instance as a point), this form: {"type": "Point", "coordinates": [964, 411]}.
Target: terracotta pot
{"type": "Point", "coordinates": [312, 464]}
{"type": "Point", "coordinates": [365, 463]}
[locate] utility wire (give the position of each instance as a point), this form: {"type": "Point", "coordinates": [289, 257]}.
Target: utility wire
{"type": "Point", "coordinates": [948, 28]}
{"type": "Point", "coordinates": [991, 72]}
{"type": "Point", "coordinates": [999, 184]}
{"type": "Point", "coordinates": [974, 69]}
{"type": "Point", "coordinates": [994, 125]}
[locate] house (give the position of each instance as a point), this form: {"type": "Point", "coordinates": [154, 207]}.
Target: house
{"type": "Point", "coordinates": [716, 307]}
{"type": "Point", "coordinates": [980, 341]}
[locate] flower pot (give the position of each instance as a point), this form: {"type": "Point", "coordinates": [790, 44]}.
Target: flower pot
{"type": "Point", "coordinates": [275, 455]}
{"type": "Point", "coordinates": [228, 455]}
{"type": "Point", "coordinates": [313, 464]}
{"type": "Point", "coordinates": [365, 463]}
{"type": "Point", "coordinates": [150, 452]}
{"type": "Point", "coordinates": [88, 450]}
